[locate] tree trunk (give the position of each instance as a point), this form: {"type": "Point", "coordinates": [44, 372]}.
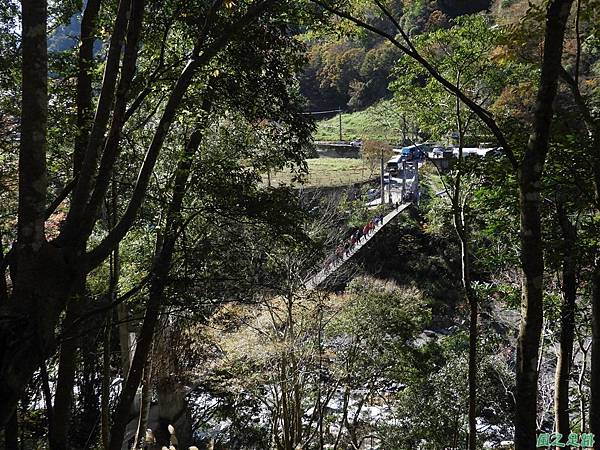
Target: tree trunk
{"type": "Point", "coordinates": [567, 319]}
{"type": "Point", "coordinates": [472, 376]}
{"type": "Point", "coordinates": [531, 313]}
{"type": "Point", "coordinates": [470, 297]}
{"type": "Point", "coordinates": [3, 265]}
{"type": "Point", "coordinates": [29, 335]}
{"type": "Point", "coordinates": [460, 226]}
{"type": "Point", "coordinates": [87, 160]}
{"type": "Point", "coordinates": [121, 415]}
{"type": "Point", "coordinates": [45, 274]}
{"type": "Point", "coordinates": [84, 82]}
{"type": "Point", "coordinates": [63, 397]}
{"type": "Point", "coordinates": [124, 342]}
{"type": "Point", "coordinates": [145, 399]}
{"type": "Point", "coordinates": [34, 114]}
{"type": "Point", "coordinates": [581, 382]}
{"type": "Point", "coordinates": [11, 432]}
{"type": "Point", "coordinates": [66, 368]}
{"type": "Point", "coordinates": [23, 336]}
{"type": "Point", "coordinates": [532, 257]}
{"type": "Point", "coordinates": [595, 359]}
{"type": "Point", "coordinates": [85, 435]}
{"type": "Point", "coordinates": [160, 271]}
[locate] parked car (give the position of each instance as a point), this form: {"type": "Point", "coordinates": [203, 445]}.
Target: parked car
{"type": "Point", "coordinates": [372, 194]}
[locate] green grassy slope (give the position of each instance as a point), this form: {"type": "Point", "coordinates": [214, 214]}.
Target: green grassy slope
{"type": "Point", "coordinates": [376, 122]}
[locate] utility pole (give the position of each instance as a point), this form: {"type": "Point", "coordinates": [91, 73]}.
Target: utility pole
{"type": "Point", "coordinates": [403, 180]}
{"type": "Point", "coordinates": [382, 186]}
{"type": "Point", "coordinates": [340, 117]}
{"type": "Point", "coordinates": [417, 190]}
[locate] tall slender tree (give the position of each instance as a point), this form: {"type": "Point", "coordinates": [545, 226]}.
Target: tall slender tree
{"type": "Point", "coordinates": [574, 79]}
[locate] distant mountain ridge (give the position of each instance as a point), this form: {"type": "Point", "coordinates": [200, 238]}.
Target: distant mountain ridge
{"type": "Point", "coordinates": [66, 37]}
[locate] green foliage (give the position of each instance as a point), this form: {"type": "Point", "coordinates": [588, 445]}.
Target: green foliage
{"type": "Point", "coordinates": [351, 66]}
{"type": "Point", "coordinates": [245, 103]}
{"type": "Point", "coordinates": [234, 298]}
{"type": "Point", "coordinates": [440, 378]}
{"type": "Point", "coordinates": [461, 54]}
{"type": "Point", "coordinates": [349, 74]}
{"type": "Point", "coordinates": [382, 319]}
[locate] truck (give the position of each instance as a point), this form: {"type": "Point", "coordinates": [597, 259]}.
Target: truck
{"type": "Point", "coordinates": [416, 151]}
{"type": "Point", "coordinates": [394, 164]}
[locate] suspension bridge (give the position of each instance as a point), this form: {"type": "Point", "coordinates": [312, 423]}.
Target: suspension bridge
{"type": "Point", "coordinates": [320, 277]}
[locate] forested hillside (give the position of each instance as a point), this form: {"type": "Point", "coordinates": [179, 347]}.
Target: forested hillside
{"type": "Point", "coordinates": [353, 72]}
{"type": "Point", "coordinates": [184, 267]}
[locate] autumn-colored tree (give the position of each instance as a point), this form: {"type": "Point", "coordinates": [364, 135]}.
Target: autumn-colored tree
{"type": "Point", "coordinates": [374, 151]}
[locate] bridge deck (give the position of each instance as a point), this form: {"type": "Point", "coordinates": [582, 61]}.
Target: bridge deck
{"type": "Point", "coordinates": [321, 276]}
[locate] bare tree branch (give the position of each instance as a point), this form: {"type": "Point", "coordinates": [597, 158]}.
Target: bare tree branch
{"type": "Point", "coordinates": [66, 190]}
{"type": "Point", "coordinates": [103, 110]}
{"type": "Point", "coordinates": [111, 147]}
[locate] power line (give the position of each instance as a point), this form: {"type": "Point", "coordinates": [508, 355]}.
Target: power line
{"type": "Point", "coordinates": [339, 111]}
{"type": "Point", "coordinates": [322, 112]}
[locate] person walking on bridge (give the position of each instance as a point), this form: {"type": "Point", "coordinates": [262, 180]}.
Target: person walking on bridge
{"type": "Point", "coordinates": [351, 242]}
{"type": "Point", "coordinates": [370, 226]}
{"type": "Point", "coordinates": [328, 262]}
{"type": "Point", "coordinates": [358, 235]}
